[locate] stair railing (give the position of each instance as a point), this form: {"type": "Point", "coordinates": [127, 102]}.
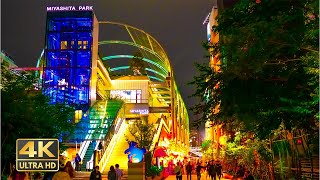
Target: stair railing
{"type": "Point", "coordinates": [115, 138]}
{"type": "Point", "coordinates": [84, 146]}
{"type": "Point", "coordinates": [111, 135]}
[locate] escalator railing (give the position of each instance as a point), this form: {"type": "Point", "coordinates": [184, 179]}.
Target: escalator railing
{"type": "Point", "coordinates": [103, 119]}
{"type": "Point", "coordinates": [96, 112]}
{"type": "Point", "coordinates": [111, 144]}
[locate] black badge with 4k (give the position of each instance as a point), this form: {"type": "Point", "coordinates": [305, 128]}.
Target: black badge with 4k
{"type": "Point", "coordinates": [37, 155]}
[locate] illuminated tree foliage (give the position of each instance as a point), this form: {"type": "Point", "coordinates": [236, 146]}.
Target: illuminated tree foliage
{"type": "Point", "coordinates": [26, 113]}
{"type": "Point", "coordinates": [143, 132]}
{"type": "Point", "coordinates": [269, 73]}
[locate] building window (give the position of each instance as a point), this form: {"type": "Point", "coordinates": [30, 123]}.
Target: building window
{"type": "Point", "coordinates": [129, 96]}
{"type": "Point", "coordinates": [82, 44]}
{"type": "Point", "coordinates": [64, 44]}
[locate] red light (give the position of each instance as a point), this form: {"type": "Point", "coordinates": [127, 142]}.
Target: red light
{"type": "Point", "coordinates": [299, 141]}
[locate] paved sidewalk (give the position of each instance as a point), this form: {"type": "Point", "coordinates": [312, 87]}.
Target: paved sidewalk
{"type": "Point", "coordinates": [86, 175]}
{"type": "Point", "coordinates": [193, 177]}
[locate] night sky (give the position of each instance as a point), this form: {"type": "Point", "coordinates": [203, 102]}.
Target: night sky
{"type": "Point", "coordinates": [176, 24]}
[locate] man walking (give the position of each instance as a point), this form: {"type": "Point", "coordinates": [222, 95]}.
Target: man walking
{"type": "Point", "coordinates": [78, 160]}
{"type": "Point", "coordinates": [95, 174]}
{"type": "Point", "coordinates": [219, 170]}
{"type": "Point", "coordinates": [119, 173]}
{"type": "Point", "coordinates": [213, 172]}
{"type": "Point", "coordinates": [189, 170]}
{"type": "Point", "coordinates": [198, 170]}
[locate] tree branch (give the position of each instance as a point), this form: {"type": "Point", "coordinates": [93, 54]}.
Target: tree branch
{"type": "Point", "coordinates": [282, 62]}
{"type": "Point", "coordinates": [285, 44]}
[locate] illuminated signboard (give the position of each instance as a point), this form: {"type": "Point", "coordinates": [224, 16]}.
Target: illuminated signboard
{"type": "Point", "coordinates": [139, 111]}
{"type": "Point", "coordinates": [70, 8]}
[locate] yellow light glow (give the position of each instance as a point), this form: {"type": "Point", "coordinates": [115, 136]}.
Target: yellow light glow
{"type": "Point", "coordinates": [77, 115]}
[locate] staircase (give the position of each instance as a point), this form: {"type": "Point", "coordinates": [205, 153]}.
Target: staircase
{"type": "Point", "coordinates": [86, 176]}
{"type": "Point", "coordinates": [117, 154]}
{"type": "Point", "coordinates": [87, 156]}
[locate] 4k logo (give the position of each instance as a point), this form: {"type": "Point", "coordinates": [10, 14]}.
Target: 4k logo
{"type": "Point", "coordinates": [37, 155]}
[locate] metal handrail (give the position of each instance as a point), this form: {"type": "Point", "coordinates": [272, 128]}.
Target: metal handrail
{"type": "Point", "coordinates": [115, 138]}
{"type": "Point", "coordinates": [84, 146]}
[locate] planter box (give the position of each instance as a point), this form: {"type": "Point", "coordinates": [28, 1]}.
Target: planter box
{"type": "Point", "coordinates": [136, 171]}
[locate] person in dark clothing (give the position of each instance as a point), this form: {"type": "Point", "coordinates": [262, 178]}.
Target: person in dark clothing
{"type": "Point", "coordinates": [178, 171]}
{"type": "Point", "coordinates": [212, 171]}
{"type": "Point", "coordinates": [112, 175]}
{"type": "Point", "coordinates": [77, 160]}
{"type": "Point", "coordinates": [96, 175]}
{"type": "Point", "coordinates": [248, 176]}
{"type": "Point", "coordinates": [189, 170]}
{"type": "Point", "coordinates": [219, 170]}
{"type": "Point", "coordinates": [198, 171]}
{"type": "Point", "coordinates": [208, 170]}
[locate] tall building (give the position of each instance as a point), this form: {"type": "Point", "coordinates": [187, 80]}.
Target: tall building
{"type": "Point", "coordinates": [106, 97]}
{"type": "Point", "coordinates": [71, 58]}
{"type": "Point", "coordinates": [213, 132]}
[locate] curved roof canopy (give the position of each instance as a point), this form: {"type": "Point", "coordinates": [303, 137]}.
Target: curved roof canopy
{"type": "Point", "coordinates": [157, 63]}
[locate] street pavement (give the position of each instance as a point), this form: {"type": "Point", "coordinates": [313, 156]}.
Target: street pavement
{"type": "Point", "coordinates": [86, 175]}
{"type": "Point", "coordinates": [193, 177]}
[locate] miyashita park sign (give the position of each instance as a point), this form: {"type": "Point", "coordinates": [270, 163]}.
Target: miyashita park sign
{"type": "Point", "coordinates": [70, 8]}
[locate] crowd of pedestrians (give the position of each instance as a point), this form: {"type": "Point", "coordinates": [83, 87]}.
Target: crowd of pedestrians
{"type": "Point", "coordinates": [67, 172]}
{"type": "Point", "coordinates": [211, 169]}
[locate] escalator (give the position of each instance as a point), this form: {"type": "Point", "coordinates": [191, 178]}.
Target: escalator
{"type": "Point", "coordinates": [87, 156]}
{"type": "Point", "coordinates": [102, 118]}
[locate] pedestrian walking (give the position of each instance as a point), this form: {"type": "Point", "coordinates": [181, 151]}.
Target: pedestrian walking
{"type": "Point", "coordinates": [61, 174]}
{"type": "Point", "coordinates": [95, 174]}
{"type": "Point", "coordinates": [212, 171]}
{"type": "Point", "coordinates": [112, 174]}
{"type": "Point", "coordinates": [198, 171]}
{"type": "Point", "coordinates": [178, 172]}
{"type": "Point", "coordinates": [118, 172]}
{"type": "Point", "coordinates": [219, 170]}
{"type": "Point", "coordinates": [208, 170]}
{"type": "Point", "coordinates": [189, 170]}
{"type": "Point", "coordinates": [77, 160]}
{"type": "Point", "coordinates": [70, 170]}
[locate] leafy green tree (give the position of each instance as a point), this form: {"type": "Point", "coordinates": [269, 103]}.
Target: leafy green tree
{"type": "Point", "coordinates": [269, 73]}
{"type": "Point", "coordinates": [26, 113]}
{"type": "Point", "coordinates": [137, 65]}
{"type": "Point", "coordinates": [143, 132]}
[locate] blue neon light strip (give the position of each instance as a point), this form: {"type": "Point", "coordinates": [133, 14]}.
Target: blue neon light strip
{"type": "Point", "coordinates": [156, 72]}
{"type": "Point", "coordinates": [130, 56]}
{"type": "Point", "coordinates": [127, 67]}
{"type": "Point", "coordinates": [136, 45]}
{"type": "Point", "coordinates": [155, 78]}
{"type": "Point", "coordinates": [119, 68]}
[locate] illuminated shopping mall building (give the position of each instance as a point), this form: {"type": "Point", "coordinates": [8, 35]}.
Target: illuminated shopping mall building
{"type": "Point", "coordinates": [85, 66]}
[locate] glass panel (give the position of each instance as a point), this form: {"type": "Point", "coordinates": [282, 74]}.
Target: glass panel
{"type": "Point", "coordinates": [53, 41]}
{"type": "Point", "coordinates": [83, 59]}
{"type": "Point", "coordinates": [84, 25]}
{"type": "Point", "coordinates": [82, 76]}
